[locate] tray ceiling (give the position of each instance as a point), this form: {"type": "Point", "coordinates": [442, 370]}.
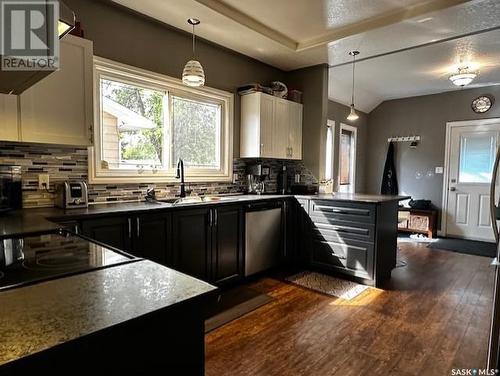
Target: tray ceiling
{"type": "Point", "coordinates": [292, 34]}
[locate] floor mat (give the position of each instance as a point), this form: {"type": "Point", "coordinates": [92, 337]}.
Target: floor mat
{"type": "Point", "coordinates": [234, 304]}
{"type": "Point", "coordinates": [329, 285]}
{"type": "Point", "coordinates": [469, 247]}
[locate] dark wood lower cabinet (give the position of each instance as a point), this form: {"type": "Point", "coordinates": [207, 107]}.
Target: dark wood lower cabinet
{"type": "Point", "coordinates": [207, 243]}
{"type": "Point", "coordinates": [113, 231]}
{"type": "Point", "coordinates": [227, 240]}
{"type": "Point", "coordinates": [153, 233]}
{"type": "Point", "coordinates": [191, 239]}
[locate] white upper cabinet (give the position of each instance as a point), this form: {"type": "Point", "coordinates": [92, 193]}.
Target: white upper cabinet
{"type": "Point", "coordinates": [59, 108]}
{"type": "Point", "coordinates": [9, 120]}
{"type": "Point", "coordinates": [295, 131]}
{"type": "Point", "coordinates": [271, 127]}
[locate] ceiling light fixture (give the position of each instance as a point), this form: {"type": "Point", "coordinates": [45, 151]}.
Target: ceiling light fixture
{"type": "Point", "coordinates": [353, 116]}
{"type": "Point", "coordinates": [463, 77]}
{"type": "Point", "coordinates": [193, 74]}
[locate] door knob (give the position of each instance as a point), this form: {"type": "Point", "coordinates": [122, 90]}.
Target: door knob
{"type": "Point", "coordinates": [453, 189]}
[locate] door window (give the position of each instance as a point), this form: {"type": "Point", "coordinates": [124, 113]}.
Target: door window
{"type": "Point", "coordinates": [477, 155]}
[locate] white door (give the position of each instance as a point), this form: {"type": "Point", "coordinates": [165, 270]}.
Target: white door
{"type": "Point", "coordinates": [347, 158]}
{"type": "Point", "coordinates": [59, 108]}
{"type": "Point", "coordinates": [471, 157]}
{"type": "Point", "coordinates": [9, 130]}
{"type": "Point", "coordinates": [267, 116]}
{"type": "Point", "coordinates": [280, 135]}
{"type": "Point", "coordinates": [295, 131]}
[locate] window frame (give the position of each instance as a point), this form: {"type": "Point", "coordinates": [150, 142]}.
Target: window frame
{"type": "Point", "coordinates": [108, 69]}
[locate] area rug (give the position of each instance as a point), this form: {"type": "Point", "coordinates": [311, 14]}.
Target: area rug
{"type": "Point", "coordinates": [329, 285]}
{"type": "Point", "coordinates": [233, 304]}
{"type": "Point", "coordinates": [469, 247]}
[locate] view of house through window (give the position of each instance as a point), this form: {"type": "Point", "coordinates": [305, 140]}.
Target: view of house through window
{"type": "Point", "coordinates": [132, 125]}
{"type": "Point", "coordinates": [144, 128]}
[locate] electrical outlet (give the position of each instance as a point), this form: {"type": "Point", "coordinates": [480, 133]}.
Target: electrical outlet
{"type": "Point", "coordinates": [43, 181]}
{"type": "Point", "coordinates": [235, 178]}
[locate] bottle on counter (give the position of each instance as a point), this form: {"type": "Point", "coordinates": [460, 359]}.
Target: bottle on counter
{"type": "Point", "coordinates": [283, 181]}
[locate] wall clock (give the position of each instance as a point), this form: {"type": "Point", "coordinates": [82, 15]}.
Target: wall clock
{"type": "Point", "coordinates": [482, 104]}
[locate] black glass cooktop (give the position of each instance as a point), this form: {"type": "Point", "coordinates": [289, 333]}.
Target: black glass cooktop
{"type": "Point", "coordinates": [34, 259]}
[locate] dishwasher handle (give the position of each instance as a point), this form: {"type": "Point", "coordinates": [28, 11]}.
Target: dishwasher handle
{"type": "Point", "coordinates": [259, 206]}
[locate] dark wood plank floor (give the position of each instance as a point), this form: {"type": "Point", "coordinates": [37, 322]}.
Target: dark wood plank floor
{"type": "Point", "coordinates": [431, 317]}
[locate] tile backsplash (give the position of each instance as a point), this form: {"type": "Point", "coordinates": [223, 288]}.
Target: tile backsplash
{"type": "Point", "coordinates": [70, 163]}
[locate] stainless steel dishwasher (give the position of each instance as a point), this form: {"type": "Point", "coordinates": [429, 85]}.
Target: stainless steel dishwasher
{"type": "Point", "coordinates": [263, 240]}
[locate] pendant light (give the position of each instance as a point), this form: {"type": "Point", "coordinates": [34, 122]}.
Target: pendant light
{"type": "Point", "coordinates": [353, 116]}
{"type": "Point", "coordinates": [193, 74]}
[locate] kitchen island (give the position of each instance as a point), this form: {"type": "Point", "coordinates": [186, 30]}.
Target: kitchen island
{"type": "Point", "coordinates": [136, 318]}
{"type": "Point", "coordinates": [351, 235]}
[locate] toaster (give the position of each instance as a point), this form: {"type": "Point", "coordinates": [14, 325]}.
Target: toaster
{"type": "Point", "coordinates": [72, 194]}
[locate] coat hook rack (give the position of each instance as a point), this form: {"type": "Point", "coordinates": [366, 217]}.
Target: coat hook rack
{"type": "Point", "coordinates": [404, 139]}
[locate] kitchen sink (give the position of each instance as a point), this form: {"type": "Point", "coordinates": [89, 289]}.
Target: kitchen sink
{"type": "Point", "coordinates": [199, 200]}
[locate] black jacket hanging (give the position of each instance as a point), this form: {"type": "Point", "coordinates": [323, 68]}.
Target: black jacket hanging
{"type": "Point", "coordinates": [389, 179]}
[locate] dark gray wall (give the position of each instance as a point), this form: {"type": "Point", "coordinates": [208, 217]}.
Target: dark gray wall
{"type": "Point", "coordinates": [313, 82]}
{"type": "Point", "coordinates": [130, 38]}
{"type": "Point", "coordinates": [338, 113]}
{"type": "Point", "coordinates": [425, 116]}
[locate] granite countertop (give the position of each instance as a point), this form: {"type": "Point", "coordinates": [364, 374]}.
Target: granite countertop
{"type": "Point", "coordinates": [29, 221]}
{"type": "Point", "coordinates": [38, 317]}
{"type": "Point", "coordinates": [354, 197]}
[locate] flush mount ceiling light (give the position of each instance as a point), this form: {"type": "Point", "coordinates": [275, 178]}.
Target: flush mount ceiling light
{"type": "Point", "coordinates": [463, 77]}
{"type": "Point", "coordinates": [193, 74]}
{"type": "Point", "coordinates": [353, 116]}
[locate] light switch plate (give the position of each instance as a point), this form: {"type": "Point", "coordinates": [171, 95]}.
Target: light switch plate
{"type": "Point", "coordinates": [43, 181]}
{"type": "Point", "coordinates": [439, 170]}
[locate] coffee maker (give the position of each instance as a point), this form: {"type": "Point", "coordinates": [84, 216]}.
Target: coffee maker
{"type": "Point", "coordinates": [257, 174]}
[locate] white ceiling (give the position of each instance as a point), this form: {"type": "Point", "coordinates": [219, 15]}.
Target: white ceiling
{"type": "Point", "coordinates": [291, 34]}
{"type": "Point", "coordinates": [416, 72]}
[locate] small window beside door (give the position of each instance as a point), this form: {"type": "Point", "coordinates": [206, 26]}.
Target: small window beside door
{"type": "Point", "coordinates": [345, 156]}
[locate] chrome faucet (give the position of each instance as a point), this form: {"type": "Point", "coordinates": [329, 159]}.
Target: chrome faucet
{"type": "Point", "coordinates": [180, 175]}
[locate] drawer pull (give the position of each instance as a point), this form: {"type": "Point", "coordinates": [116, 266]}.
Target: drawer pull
{"type": "Point", "coordinates": [345, 230]}
{"type": "Point", "coordinates": [348, 246]}
{"type": "Point", "coordinates": [337, 210]}
{"type": "Point", "coordinates": [338, 256]}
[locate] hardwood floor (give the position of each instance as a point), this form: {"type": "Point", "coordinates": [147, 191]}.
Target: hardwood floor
{"type": "Point", "coordinates": [431, 317]}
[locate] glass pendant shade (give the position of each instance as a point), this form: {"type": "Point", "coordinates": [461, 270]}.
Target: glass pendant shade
{"type": "Point", "coordinates": [352, 115]}
{"type": "Point", "coordinates": [193, 74]}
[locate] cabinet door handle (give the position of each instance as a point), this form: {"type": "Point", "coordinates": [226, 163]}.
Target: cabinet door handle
{"type": "Point", "coordinates": [130, 228]}
{"type": "Point", "coordinates": [261, 149]}
{"type": "Point", "coordinates": [210, 218]}
{"type": "Point", "coordinates": [338, 256]}
{"type": "Point", "coordinates": [215, 217]}
{"type": "Point", "coordinates": [138, 226]}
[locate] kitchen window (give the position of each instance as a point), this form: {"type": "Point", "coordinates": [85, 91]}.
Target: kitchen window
{"type": "Point", "coordinates": [145, 122]}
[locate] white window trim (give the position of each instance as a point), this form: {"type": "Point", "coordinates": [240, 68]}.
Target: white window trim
{"type": "Point", "coordinates": [98, 175]}
{"type": "Point", "coordinates": [351, 188]}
